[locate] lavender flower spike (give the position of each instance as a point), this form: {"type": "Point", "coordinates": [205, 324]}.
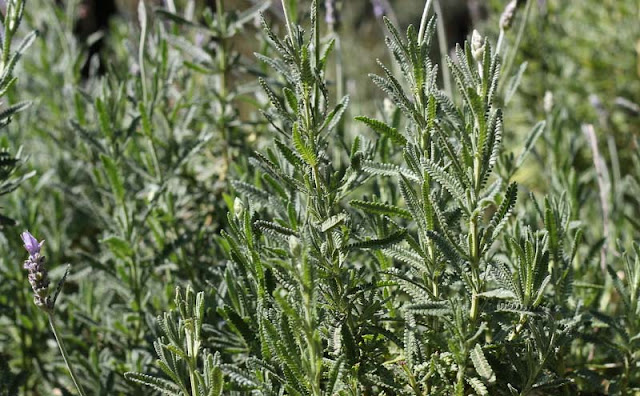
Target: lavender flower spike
{"type": "Point", "coordinates": [38, 274]}
{"type": "Point", "coordinates": [31, 243]}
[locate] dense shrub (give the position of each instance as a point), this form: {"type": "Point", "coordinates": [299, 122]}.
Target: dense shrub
{"type": "Point", "coordinates": [235, 225]}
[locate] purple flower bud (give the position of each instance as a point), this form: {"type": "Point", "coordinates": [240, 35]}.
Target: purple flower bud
{"type": "Point", "coordinates": [31, 243]}
{"type": "Point", "coordinates": [506, 19]}
{"type": "Point", "coordinates": [378, 8]}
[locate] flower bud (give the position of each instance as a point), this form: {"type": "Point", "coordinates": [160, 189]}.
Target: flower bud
{"type": "Point", "coordinates": [547, 102]}
{"type": "Point", "coordinates": [238, 207]}
{"type": "Point", "coordinates": [506, 19]}
{"type": "Point", "coordinates": [477, 46]}
{"type": "Point", "coordinates": [379, 8]}
{"type": "Point", "coordinates": [294, 246]}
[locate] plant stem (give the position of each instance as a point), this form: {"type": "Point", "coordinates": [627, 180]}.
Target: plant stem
{"type": "Point", "coordinates": [518, 328]}
{"type": "Point", "coordinates": [513, 51]}
{"type": "Point", "coordinates": [7, 36]}
{"type": "Point", "coordinates": [194, 385]}
{"type": "Point", "coordinates": [500, 41]}
{"type": "Point", "coordinates": [475, 264]}
{"type": "Point", "coordinates": [287, 22]}
{"type": "Point", "coordinates": [423, 21]}
{"type": "Point", "coordinates": [339, 69]}
{"type": "Point", "coordinates": [143, 39]}
{"type": "Point", "coordinates": [65, 356]}
{"type": "Point", "coordinates": [442, 43]}
{"type": "Point", "coordinates": [222, 88]}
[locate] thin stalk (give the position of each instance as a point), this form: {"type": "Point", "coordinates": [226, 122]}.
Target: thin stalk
{"type": "Point", "coordinates": [65, 356]}
{"type": "Point", "coordinates": [316, 49]}
{"type": "Point", "coordinates": [7, 35]}
{"type": "Point", "coordinates": [625, 376]}
{"type": "Point", "coordinates": [475, 263]}
{"type": "Point", "coordinates": [339, 91]}
{"type": "Point", "coordinates": [192, 377]}
{"type": "Point", "coordinates": [142, 14]}
{"type": "Point", "coordinates": [192, 361]}
{"type": "Point", "coordinates": [222, 89]}
{"type": "Point", "coordinates": [442, 43]}
{"type": "Point", "coordinates": [26, 363]}
{"type": "Point", "coordinates": [194, 385]}
{"type": "Point", "coordinates": [518, 328]}
{"type": "Point", "coordinates": [413, 384]}
{"type": "Point", "coordinates": [315, 355]}
{"type": "Point", "coordinates": [423, 21]}
{"type": "Point", "coordinates": [500, 41]}
{"type": "Point", "coordinates": [514, 50]}
{"type": "Point", "coordinates": [137, 284]}
{"type": "Point", "coordinates": [339, 67]}
{"type": "Point", "coordinates": [604, 187]}
{"type": "Point", "coordinates": [287, 22]}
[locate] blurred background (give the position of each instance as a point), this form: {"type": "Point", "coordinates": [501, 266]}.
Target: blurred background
{"type": "Point", "coordinates": [588, 52]}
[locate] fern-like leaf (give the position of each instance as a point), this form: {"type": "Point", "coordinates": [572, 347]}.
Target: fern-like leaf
{"type": "Point", "coordinates": [445, 179]}
{"type": "Point", "coordinates": [384, 130]}
{"type": "Point", "coordinates": [382, 169]}
{"type": "Point", "coordinates": [482, 366]}
{"type": "Point", "coordinates": [478, 386]}
{"type": "Point", "coordinates": [380, 208]}
{"type": "Point", "coordinates": [160, 384]}
{"type": "Point", "coordinates": [380, 243]}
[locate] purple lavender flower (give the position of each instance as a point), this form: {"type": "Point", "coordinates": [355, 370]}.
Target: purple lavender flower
{"type": "Point", "coordinates": [332, 17]}
{"type": "Point", "coordinates": [31, 243]}
{"type": "Point", "coordinates": [378, 8]}
{"type": "Point", "coordinates": [38, 274]}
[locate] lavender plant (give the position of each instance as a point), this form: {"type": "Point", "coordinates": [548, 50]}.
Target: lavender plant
{"type": "Point", "coordinates": [302, 321]}
{"type": "Point", "coordinates": [454, 269]}
{"type": "Point", "coordinates": [406, 252]}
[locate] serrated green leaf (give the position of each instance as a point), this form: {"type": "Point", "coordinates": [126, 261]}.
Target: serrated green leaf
{"type": "Point", "coordinates": [514, 83]}
{"type": "Point", "coordinates": [159, 384]}
{"type": "Point", "coordinates": [384, 130]}
{"type": "Point", "coordinates": [305, 152]}
{"type": "Point", "coordinates": [380, 208]}
{"type": "Point", "coordinates": [332, 222]}
{"type": "Point", "coordinates": [380, 243]}
{"type": "Point", "coordinates": [477, 385]}
{"type": "Point", "coordinates": [501, 216]}
{"type": "Point", "coordinates": [114, 176]}
{"type": "Point", "coordinates": [445, 179]}
{"type": "Point", "coordinates": [381, 169]}
{"type": "Point", "coordinates": [532, 137]}
{"type": "Point", "coordinates": [481, 364]}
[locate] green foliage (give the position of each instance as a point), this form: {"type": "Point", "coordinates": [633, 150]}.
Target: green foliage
{"type": "Point", "coordinates": [298, 250]}
{"type": "Point", "coordinates": [180, 352]}
{"type": "Point", "coordinates": [11, 21]}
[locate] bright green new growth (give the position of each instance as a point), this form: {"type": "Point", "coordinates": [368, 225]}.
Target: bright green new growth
{"type": "Point", "coordinates": [180, 352]}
